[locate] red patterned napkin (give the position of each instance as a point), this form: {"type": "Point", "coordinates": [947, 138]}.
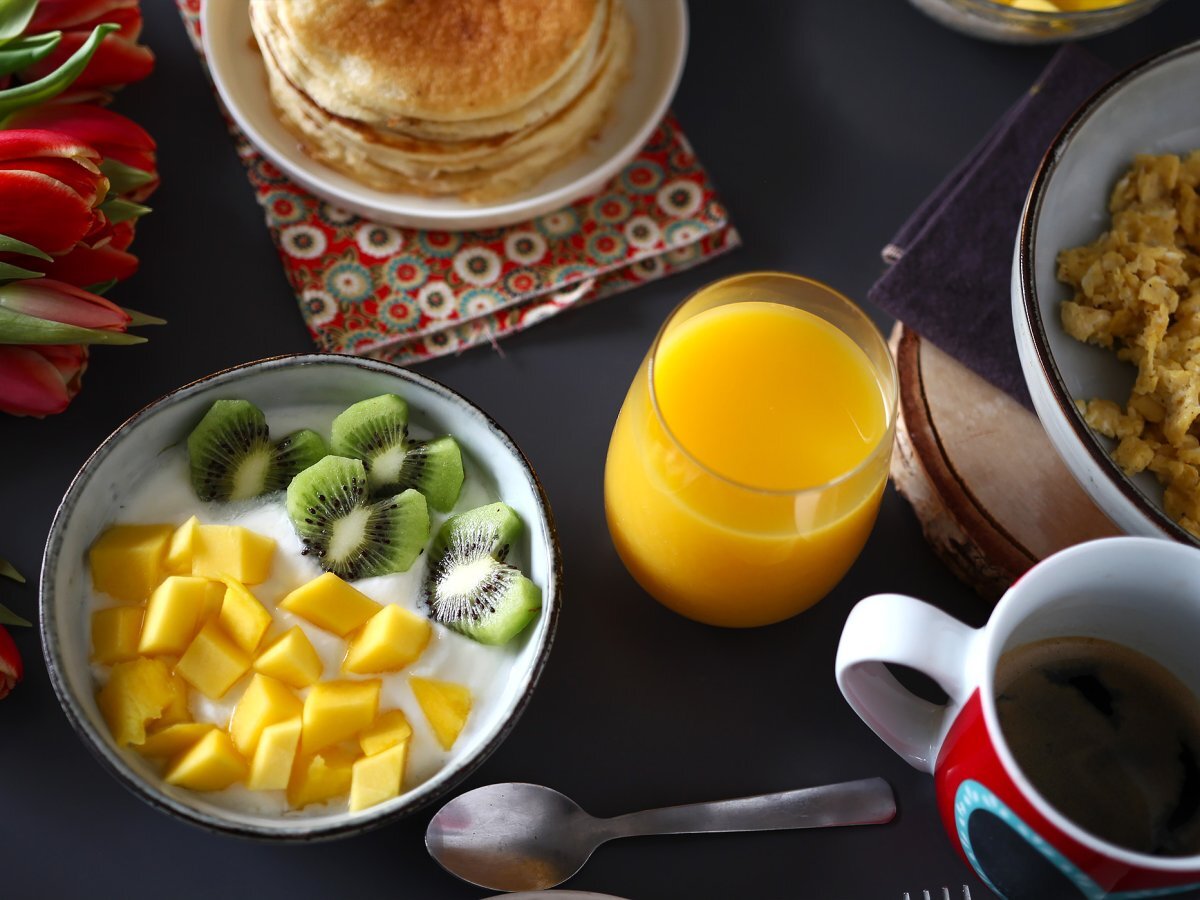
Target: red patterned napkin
{"type": "Point", "coordinates": [407, 295]}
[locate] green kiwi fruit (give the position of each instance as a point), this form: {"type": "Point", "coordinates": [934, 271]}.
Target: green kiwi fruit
{"type": "Point", "coordinates": [349, 534]}
{"type": "Point", "coordinates": [470, 588]}
{"type": "Point", "coordinates": [376, 432]}
{"type": "Point", "coordinates": [232, 457]}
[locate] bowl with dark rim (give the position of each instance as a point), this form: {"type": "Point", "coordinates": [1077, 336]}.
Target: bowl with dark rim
{"type": "Point", "coordinates": [1150, 108]}
{"type": "Point", "coordinates": [289, 382]}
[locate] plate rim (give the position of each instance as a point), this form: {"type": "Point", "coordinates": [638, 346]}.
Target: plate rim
{"type": "Point", "coordinates": [389, 208]}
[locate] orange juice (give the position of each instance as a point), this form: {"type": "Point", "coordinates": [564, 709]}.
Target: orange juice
{"type": "Point", "coordinates": [747, 463]}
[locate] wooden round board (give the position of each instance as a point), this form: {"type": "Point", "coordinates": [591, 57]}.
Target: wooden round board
{"type": "Point", "coordinates": [992, 495]}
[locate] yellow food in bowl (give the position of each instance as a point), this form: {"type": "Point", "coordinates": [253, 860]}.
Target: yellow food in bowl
{"type": "Point", "coordinates": [1137, 292]}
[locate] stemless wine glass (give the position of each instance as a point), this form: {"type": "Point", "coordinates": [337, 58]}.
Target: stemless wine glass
{"type": "Point", "coordinates": [746, 466]}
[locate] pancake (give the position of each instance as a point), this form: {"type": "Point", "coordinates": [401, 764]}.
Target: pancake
{"type": "Point", "coordinates": [444, 60]}
{"type": "Point", "coordinates": [482, 142]}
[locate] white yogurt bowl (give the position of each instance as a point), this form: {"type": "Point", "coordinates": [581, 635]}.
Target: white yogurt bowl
{"type": "Point", "coordinates": [111, 475]}
{"type": "Point", "coordinates": [1151, 108]}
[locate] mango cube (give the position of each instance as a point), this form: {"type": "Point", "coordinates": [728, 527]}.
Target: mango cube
{"type": "Point", "coordinates": [212, 662]}
{"type": "Point", "coordinates": [392, 639]}
{"type": "Point", "coordinates": [377, 778]}
{"type": "Point", "coordinates": [115, 633]}
{"type": "Point", "coordinates": [136, 694]}
{"type": "Point", "coordinates": [242, 616]}
{"type": "Point", "coordinates": [337, 711]}
{"type": "Point", "coordinates": [330, 603]}
{"type": "Point", "coordinates": [177, 710]}
{"type": "Point", "coordinates": [445, 705]}
{"type": "Point", "coordinates": [321, 777]}
{"type": "Point", "coordinates": [127, 560]}
{"type": "Point", "coordinates": [271, 768]}
{"type": "Point", "coordinates": [174, 614]}
{"type": "Point", "coordinates": [265, 702]}
{"type": "Point", "coordinates": [174, 739]}
{"type": "Point", "coordinates": [390, 729]}
{"type": "Point", "coordinates": [212, 764]}
{"type": "Point", "coordinates": [230, 550]}
{"type": "Point", "coordinates": [179, 550]}
{"type": "Point", "coordinates": [291, 659]}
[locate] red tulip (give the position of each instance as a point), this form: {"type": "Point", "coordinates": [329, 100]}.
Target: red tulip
{"type": "Point", "coordinates": [40, 380]}
{"type": "Point", "coordinates": [50, 184]}
{"type": "Point", "coordinates": [119, 60]}
{"type": "Point", "coordinates": [112, 134]}
{"type": "Point", "coordinates": [45, 311]}
{"type": "Point", "coordinates": [11, 669]}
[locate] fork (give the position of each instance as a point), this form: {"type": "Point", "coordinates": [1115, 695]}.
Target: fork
{"type": "Point", "coordinates": [943, 895]}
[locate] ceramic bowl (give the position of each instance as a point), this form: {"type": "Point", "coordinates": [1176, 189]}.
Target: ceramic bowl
{"type": "Point", "coordinates": [1151, 108]}
{"type": "Point", "coordinates": [994, 21]}
{"type": "Point", "coordinates": [316, 379]}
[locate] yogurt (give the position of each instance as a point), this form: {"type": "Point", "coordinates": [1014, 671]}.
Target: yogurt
{"type": "Point", "coordinates": [165, 495]}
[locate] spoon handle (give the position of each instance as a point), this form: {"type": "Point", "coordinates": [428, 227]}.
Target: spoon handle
{"type": "Point", "coordinates": [869, 801]}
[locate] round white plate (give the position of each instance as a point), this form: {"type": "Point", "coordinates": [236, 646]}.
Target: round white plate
{"type": "Point", "coordinates": [660, 28]}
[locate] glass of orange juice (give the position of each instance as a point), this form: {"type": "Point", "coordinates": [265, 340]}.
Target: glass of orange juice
{"type": "Point", "coordinates": [747, 464]}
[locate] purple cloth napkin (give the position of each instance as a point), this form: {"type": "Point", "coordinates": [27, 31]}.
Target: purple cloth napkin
{"type": "Point", "coordinates": [950, 264]}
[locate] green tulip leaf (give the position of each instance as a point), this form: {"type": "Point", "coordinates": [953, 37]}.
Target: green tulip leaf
{"type": "Point", "coordinates": [14, 18]}
{"type": "Point", "coordinates": [101, 287]}
{"type": "Point", "coordinates": [8, 617]}
{"type": "Point", "coordinates": [8, 570]}
{"type": "Point", "coordinates": [18, 328]}
{"type": "Point", "coordinates": [140, 318]}
{"type": "Point", "coordinates": [9, 272]}
{"type": "Point", "coordinates": [26, 51]}
{"type": "Point", "coordinates": [12, 245]}
{"type": "Point", "coordinates": [59, 80]}
{"type": "Point", "coordinates": [122, 178]}
{"type": "Point", "coordinates": [120, 210]}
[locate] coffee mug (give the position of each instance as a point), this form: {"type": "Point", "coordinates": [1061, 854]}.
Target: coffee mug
{"type": "Point", "coordinates": [1141, 593]}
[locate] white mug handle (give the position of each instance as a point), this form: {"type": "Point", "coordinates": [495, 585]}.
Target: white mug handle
{"type": "Point", "coordinates": [893, 628]}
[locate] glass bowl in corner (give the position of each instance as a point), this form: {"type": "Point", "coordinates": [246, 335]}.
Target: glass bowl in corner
{"type": "Point", "coordinates": [1034, 21]}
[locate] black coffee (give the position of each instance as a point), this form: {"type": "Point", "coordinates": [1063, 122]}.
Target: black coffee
{"type": "Point", "coordinates": [1109, 737]}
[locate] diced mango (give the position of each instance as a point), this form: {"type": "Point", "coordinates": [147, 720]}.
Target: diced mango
{"type": "Point", "coordinates": [265, 702]}
{"type": "Point", "coordinates": [115, 633]}
{"type": "Point", "coordinates": [445, 705]}
{"type": "Point", "coordinates": [212, 764]}
{"type": "Point", "coordinates": [390, 729]}
{"type": "Point", "coordinates": [392, 639]}
{"type": "Point", "coordinates": [174, 739]}
{"type": "Point", "coordinates": [212, 662]}
{"type": "Point", "coordinates": [230, 550]}
{"type": "Point", "coordinates": [242, 616]}
{"type": "Point", "coordinates": [179, 550]}
{"type": "Point", "coordinates": [271, 768]}
{"type": "Point", "coordinates": [330, 603]}
{"type": "Point", "coordinates": [174, 614]}
{"type": "Point", "coordinates": [321, 777]}
{"type": "Point", "coordinates": [177, 710]}
{"type": "Point", "coordinates": [136, 694]}
{"type": "Point", "coordinates": [127, 561]}
{"type": "Point", "coordinates": [292, 659]}
{"type": "Point", "coordinates": [337, 711]}
{"type": "Point", "coordinates": [378, 778]}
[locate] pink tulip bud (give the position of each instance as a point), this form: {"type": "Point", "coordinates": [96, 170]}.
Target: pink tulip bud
{"type": "Point", "coordinates": [40, 381]}
{"type": "Point", "coordinates": [57, 301]}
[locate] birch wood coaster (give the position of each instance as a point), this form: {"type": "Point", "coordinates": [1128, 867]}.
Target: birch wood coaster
{"type": "Point", "coordinates": [992, 495]}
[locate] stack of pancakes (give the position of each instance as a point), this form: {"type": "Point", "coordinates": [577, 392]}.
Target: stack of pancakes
{"type": "Point", "coordinates": [476, 98]}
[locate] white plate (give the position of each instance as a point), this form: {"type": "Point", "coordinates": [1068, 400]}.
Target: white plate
{"type": "Point", "coordinates": [660, 28]}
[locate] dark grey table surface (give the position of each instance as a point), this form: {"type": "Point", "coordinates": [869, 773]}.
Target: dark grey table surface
{"type": "Point", "coordinates": [824, 122]}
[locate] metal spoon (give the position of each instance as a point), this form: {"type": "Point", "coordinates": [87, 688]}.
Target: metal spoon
{"type": "Point", "coordinates": [525, 837]}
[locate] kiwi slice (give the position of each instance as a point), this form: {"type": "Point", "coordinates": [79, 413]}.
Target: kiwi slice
{"type": "Point", "coordinates": [347, 533]}
{"type": "Point", "coordinates": [470, 588]}
{"type": "Point", "coordinates": [376, 431]}
{"type": "Point", "coordinates": [232, 456]}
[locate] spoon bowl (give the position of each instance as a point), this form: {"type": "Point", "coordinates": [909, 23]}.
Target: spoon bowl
{"type": "Point", "coordinates": [526, 837]}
